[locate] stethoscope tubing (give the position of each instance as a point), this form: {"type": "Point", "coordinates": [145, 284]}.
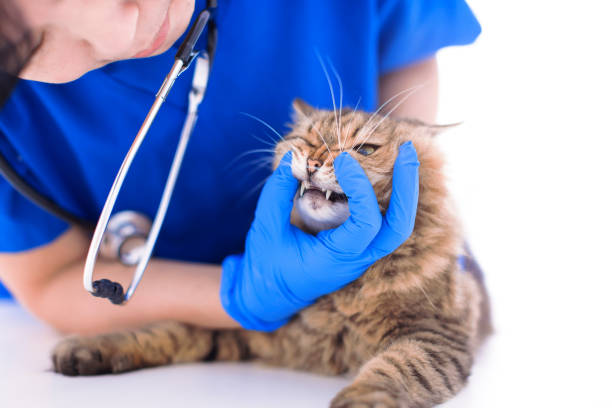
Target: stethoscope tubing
{"type": "Point", "coordinates": [111, 199]}
{"type": "Point", "coordinates": [20, 185]}
{"type": "Point", "coordinates": [200, 80]}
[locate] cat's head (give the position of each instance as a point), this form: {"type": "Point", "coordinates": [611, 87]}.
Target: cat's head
{"type": "Point", "coordinates": [317, 137]}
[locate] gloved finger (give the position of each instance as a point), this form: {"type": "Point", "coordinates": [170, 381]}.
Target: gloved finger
{"type": "Point", "coordinates": [358, 231]}
{"type": "Point", "coordinates": [276, 199]}
{"type": "Point", "coordinates": [398, 222]}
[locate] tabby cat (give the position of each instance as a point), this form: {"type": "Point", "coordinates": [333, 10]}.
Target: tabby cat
{"type": "Point", "coordinates": [407, 329]}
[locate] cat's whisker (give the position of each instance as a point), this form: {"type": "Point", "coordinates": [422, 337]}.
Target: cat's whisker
{"type": "Point", "coordinates": [365, 125]}
{"type": "Point", "coordinates": [353, 114]}
{"type": "Point", "coordinates": [271, 150]}
{"type": "Point", "coordinates": [391, 99]}
{"type": "Point", "coordinates": [356, 106]}
{"type": "Point", "coordinates": [369, 135]}
{"type": "Point", "coordinates": [271, 141]}
{"type": "Point", "coordinates": [319, 133]}
{"type": "Point", "coordinates": [331, 89]}
{"type": "Point", "coordinates": [326, 160]}
{"type": "Point", "coordinates": [401, 101]}
{"type": "Point", "coordinates": [373, 129]}
{"type": "Point", "coordinates": [263, 122]}
{"type": "Point", "coordinates": [326, 145]}
{"type": "Point", "coordinates": [253, 166]}
{"type": "Point", "coordinates": [418, 285]}
{"type": "Point", "coordinates": [265, 142]}
{"type": "Point", "coordinates": [339, 120]}
{"type": "Point", "coordinates": [365, 140]}
{"type": "Point", "coordinates": [253, 190]}
{"type": "Point", "coordinates": [246, 153]}
{"type": "Point", "coordinates": [270, 157]}
{"type": "Point", "coordinates": [234, 166]}
{"type": "Point", "coordinates": [262, 182]}
{"type": "Point", "coordinates": [293, 146]}
{"type": "Point", "coordinates": [260, 160]}
{"type": "Point", "coordinates": [266, 163]}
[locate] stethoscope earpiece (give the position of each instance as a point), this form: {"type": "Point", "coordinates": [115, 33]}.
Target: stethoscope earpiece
{"type": "Point", "coordinates": [124, 241]}
{"type": "Point", "coordinates": [107, 289]}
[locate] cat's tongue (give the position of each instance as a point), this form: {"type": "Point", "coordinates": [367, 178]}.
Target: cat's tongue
{"type": "Point", "coordinates": [314, 193]}
{"type": "Point", "coordinates": [318, 194]}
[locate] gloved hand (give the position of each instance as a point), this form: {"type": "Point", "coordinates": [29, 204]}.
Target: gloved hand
{"type": "Point", "coordinates": [285, 269]}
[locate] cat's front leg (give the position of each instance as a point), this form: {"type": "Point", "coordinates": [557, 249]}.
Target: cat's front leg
{"type": "Point", "coordinates": [154, 345]}
{"type": "Point", "coordinates": [420, 366]}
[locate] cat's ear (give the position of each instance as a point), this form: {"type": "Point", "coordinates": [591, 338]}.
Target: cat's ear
{"type": "Point", "coordinates": [427, 129]}
{"type": "Point", "coordinates": [301, 109]}
{"type": "Point", "coordinates": [435, 130]}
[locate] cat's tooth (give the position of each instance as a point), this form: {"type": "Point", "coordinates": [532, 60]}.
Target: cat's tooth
{"type": "Point", "coordinates": [302, 189]}
{"type": "Point", "coordinates": [328, 194]}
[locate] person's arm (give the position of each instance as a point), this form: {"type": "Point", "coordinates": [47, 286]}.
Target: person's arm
{"type": "Point", "coordinates": [423, 104]}
{"type": "Point", "coordinates": [48, 282]}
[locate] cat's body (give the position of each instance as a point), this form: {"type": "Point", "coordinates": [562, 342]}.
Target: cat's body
{"type": "Point", "coordinates": [408, 328]}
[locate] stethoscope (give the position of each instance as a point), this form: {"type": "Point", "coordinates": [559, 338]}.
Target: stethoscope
{"type": "Point", "coordinates": [128, 236]}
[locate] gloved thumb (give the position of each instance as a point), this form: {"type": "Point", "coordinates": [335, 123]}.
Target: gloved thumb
{"type": "Point", "coordinates": [276, 199]}
{"type": "Point", "coordinates": [400, 217]}
{"type": "Point", "coordinates": [356, 233]}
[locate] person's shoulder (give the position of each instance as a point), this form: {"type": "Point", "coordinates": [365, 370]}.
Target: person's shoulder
{"type": "Point", "coordinates": [415, 30]}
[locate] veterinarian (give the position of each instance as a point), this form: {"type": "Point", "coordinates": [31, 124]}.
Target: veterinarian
{"type": "Point", "coordinates": [225, 257]}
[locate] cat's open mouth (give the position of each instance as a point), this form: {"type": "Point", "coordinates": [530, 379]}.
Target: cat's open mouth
{"type": "Point", "coordinates": [311, 189]}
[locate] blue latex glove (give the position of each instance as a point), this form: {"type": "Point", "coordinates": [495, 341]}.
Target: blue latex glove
{"type": "Point", "coordinates": [285, 269]}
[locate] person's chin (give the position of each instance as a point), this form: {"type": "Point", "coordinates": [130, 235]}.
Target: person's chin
{"type": "Point", "coordinates": [180, 13]}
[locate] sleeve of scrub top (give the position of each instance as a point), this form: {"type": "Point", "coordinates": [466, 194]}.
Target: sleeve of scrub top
{"type": "Point", "coordinates": [23, 225]}
{"type": "Point", "coordinates": [413, 30]}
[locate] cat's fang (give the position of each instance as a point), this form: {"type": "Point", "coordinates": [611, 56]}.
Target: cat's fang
{"type": "Point", "coordinates": [302, 189]}
{"type": "Point", "coordinates": [328, 194]}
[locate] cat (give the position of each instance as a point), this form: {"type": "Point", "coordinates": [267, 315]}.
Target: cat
{"type": "Point", "coordinates": [407, 329]}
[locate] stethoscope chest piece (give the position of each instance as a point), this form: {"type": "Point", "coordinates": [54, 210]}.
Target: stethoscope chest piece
{"type": "Point", "coordinates": [125, 237]}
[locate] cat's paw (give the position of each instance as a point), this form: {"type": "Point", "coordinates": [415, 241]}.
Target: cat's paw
{"type": "Point", "coordinates": [88, 356]}
{"type": "Point", "coordinates": [365, 396]}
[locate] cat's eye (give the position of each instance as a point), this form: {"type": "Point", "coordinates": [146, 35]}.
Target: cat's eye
{"type": "Point", "coordinates": [366, 149]}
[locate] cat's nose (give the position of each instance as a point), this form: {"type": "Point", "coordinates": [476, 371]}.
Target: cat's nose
{"type": "Point", "coordinates": [312, 166]}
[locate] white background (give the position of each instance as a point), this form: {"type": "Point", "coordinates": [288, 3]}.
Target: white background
{"type": "Point", "coordinates": [530, 169]}
{"type": "Point", "coordinates": [532, 175]}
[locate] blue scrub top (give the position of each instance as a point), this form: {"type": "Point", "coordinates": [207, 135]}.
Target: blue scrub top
{"type": "Point", "coordinates": [69, 140]}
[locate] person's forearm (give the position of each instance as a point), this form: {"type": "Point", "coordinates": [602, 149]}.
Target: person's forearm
{"type": "Point", "coordinates": [423, 103]}
{"type": "Point", "coordinates": [170, 290]}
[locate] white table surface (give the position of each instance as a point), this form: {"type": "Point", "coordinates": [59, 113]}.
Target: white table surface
{"type": "Point", "coordinates": [26, 379]}
{"type": "Point", "coordinates": [511, 370]}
